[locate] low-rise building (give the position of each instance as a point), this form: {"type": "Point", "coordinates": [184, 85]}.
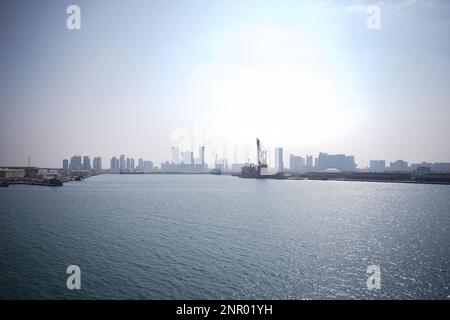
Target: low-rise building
{"type": "Point", "coordinates": [12, 173]}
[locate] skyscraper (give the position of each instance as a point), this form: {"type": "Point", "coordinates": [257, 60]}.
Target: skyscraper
{"type": "Point", "coordinates": [279, 165]}
{"type": "Point", "coordinates": [65, 164]}
{"type": "Point", "coordinates": [122, 162]}
{"type": "Point", "coordinates": [350, 164]}
{"type": "Point", "coordinates": [296, 164]}
{"type": "Point", "coordinates": [114, 164]}
{"type": "Point", "coordinates": [309, 162]}
{"type": "Point", "coordinates": [97, 164]}
{"type": "Point", "coordinates": [201, 155]}
{"type": "Point", "coordinates": [75, 163]}
{"type": "Point", "coordinates": [132, 165]}
{"type": "Point", "coordinates": [86, 163]}
{"type": "Point", "coordinates": [188, 157]}
{"type": "Point", "coordinates": [148, 166]}
{"type": "Point", "coordinates": [175, 155]}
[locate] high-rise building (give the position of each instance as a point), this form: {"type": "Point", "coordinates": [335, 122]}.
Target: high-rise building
{"type": "Point", "coordinates": [201, 155]}
{"type": "Point", "coordinates": [128, 163]}
{"type": "Point", "coordinates": [140, 164]}
{"type": "Point", "coordinates": [75, 163]}
{"type": "Point", "coordinates": [309, 162]}
{"type": "Point", "coordinates": [350, 164]}
{"type": "Point", "coordinates": [188, 157]}
{"type": "Point", "coordinates": [132, 165]}
{"type": "Point", "coordinates": [175, 155]}
{"type": "Point", "coordinates": [296, 164]}
{"type": "Point", "coordinates": [377, 165]}
{"type": "Point", "coordinates": [86, 163]}
{"type": "Point", "coordinates": [148, 166]}
{"type": "Point", "coordinates": [65, 164]}
{"type": "Point", "coordinates": [114, 164]}
{"type": "Point", "coordinates": [122, 162]}
{"type": "Point", "coordinates": [398, 165]}
{"type": "Point", "coordinates": [97, 164]}
{"type": "Point", "coordinates": [340, 162]}
{"type": "Point", "coordinates": [279, 165]}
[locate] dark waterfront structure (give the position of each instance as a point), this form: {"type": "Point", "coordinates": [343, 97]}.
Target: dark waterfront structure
{"type": "Point", "coordinates": [413, 177]}
{"type": "Point", "coordinates": [260, 171]}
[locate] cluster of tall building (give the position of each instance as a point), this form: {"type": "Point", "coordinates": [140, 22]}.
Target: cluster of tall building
{"type": "Point", "coordinates": [125, 164]}
{"type": "Point", "coordinates": [82, 163]}
{"type": "Point", "coordinates": [324, 161]}
{"type": "Point", "coordinates": [121, 164]}
{"type": "Point", "coordinates": [187, 157]}
{"type": "Point", "coordinates": [184, 161]}
{"type": "Point", "coordinates": [298, 164]}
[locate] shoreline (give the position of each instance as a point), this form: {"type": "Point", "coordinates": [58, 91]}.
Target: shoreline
{"type": "Point", "coordinates": [404, 178]}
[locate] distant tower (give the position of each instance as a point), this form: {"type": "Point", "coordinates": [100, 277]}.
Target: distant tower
{"type": "Point", "coordinates": [122, 162]}
{"type": "Point", "coordinates": [87, 163]}
{"type": "Point", "coordinates": [97, 164]}
{"type": "Point", "coordinates": [279, 165]}
{"type": "Point", "coordinates": [65, 164]}
{"type": "Point", "coordinates": [309, 161]}
{"type": "Point", "coordinates": [29, 161]}
{"type": "Point", "coordinates": [114, 164]}
{"type": "Point", "coordinates": [201, 155]}
{"type": "Point", "coordinates": [175, 155]}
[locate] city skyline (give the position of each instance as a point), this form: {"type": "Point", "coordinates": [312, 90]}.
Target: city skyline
{"type": "Point", "coordinates": [224, 73]}
{"type": "Point", "coordinates": [105, 160]}
{"type": "Point", "coordinates": [185, 161]}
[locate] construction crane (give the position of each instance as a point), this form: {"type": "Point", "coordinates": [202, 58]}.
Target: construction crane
{"type": "Point", "coordinates": [261, 155]}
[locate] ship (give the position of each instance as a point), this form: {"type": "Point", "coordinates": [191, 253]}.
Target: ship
{"type": "Point", "coordinates": [4, 184]}
{"type": "Point", "coordinates": [216, 172]}
{"type": "Point", "coordinates": [260, 170]}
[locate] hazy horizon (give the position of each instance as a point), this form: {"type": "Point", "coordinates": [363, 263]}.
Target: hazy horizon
{"type": "Point", "coordinates": [141, 76]}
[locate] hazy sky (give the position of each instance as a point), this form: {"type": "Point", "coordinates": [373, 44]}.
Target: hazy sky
{"type": "Point", "coordinates": [140, 76]}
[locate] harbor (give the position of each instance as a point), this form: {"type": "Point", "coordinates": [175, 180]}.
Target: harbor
{"type": "Point", "coordinates": [35, 176]}
{"type": "Point", "coordinates": [260, 171]}
{"type": "Point", "coordinates": [327, 167]}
